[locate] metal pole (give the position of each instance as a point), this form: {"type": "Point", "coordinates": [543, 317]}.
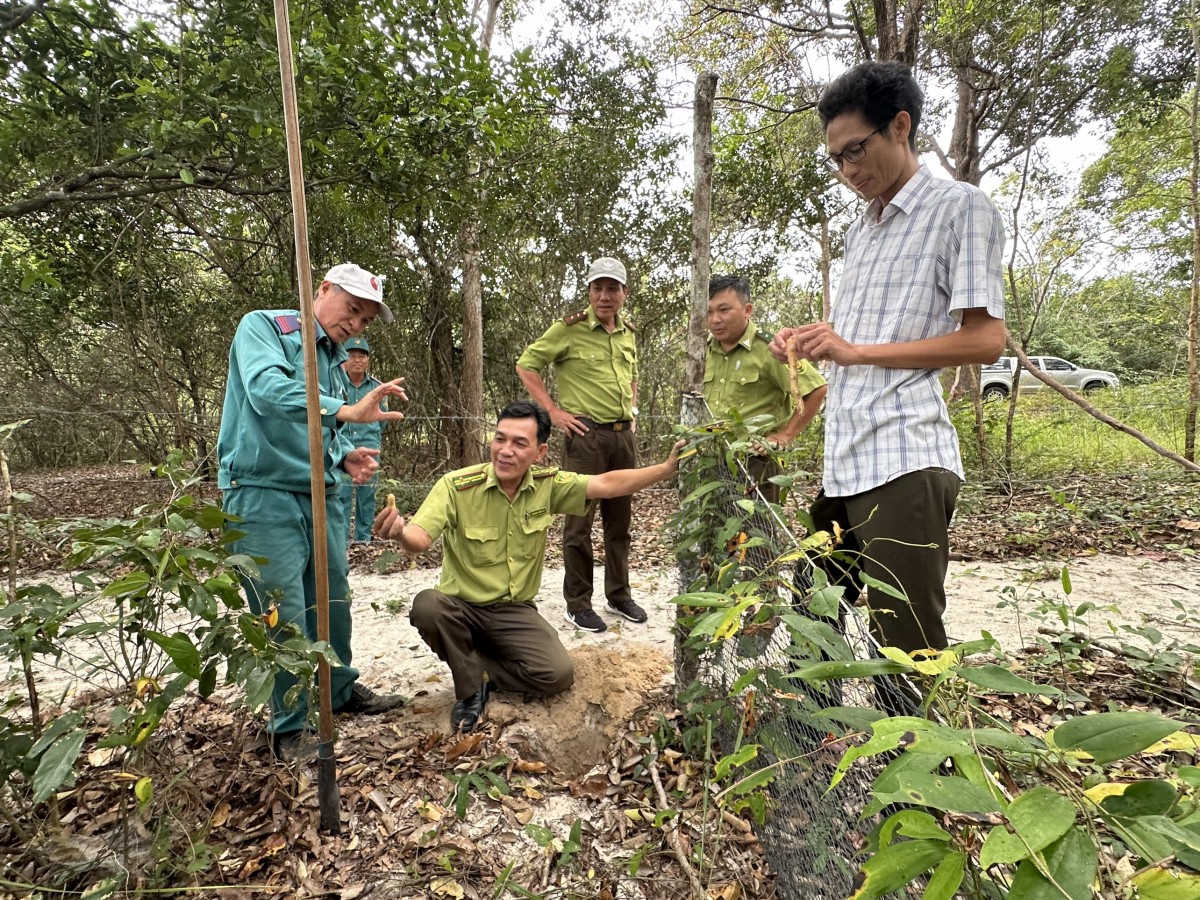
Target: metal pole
{"type": "Point", "coordinates": [327, 789]}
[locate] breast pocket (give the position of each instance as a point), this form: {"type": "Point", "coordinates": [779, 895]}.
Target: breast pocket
{"type": "Point", "coordinates": [483, 546]}
{"type": "Point", "coordinates": [535, 527]}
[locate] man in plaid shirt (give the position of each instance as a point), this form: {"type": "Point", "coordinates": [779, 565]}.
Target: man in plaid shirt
{"type": "Point", "coordinates": [921, 290]}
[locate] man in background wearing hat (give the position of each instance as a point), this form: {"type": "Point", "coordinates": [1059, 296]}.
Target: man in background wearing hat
{"type": "Point", "coordinates": [594, 354]}
{"type": "Point", "coordinates": [265, 476]}
{"type": "Point", "coordinates": [360, 499]}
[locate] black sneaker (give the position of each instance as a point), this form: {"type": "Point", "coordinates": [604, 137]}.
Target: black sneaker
{"type": "Point", "coordinates": [366, 702]}
{"type": "Point", "coordinates": [586, 620]}
{"type": "Point", "coordinates": [629, 610]}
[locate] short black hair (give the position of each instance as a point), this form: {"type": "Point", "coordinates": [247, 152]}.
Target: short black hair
{"type": "Point", "coordinates": [877, 90]}
{"type": "Point", "coordinates": [526, 409]}
{"type": "Point", "coordinates": [740, 286]}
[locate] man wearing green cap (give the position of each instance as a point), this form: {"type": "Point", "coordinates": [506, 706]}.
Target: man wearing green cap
{"type": "Point", "coordinates": [360, 498]}
{"type": "Point", "coordinates": [594, 354]}
{"type": "Point", "coordinates": [264, 476]}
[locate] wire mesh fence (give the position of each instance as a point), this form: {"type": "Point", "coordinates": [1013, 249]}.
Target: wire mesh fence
{"type": "Point", "coordinates": [782, 614]}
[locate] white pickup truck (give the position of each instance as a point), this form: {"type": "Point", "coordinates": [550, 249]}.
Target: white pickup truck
{"type": "Point", "coordinates": [995, 380]}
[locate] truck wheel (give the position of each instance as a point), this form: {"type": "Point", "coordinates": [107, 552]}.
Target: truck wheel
{"type": "Point", "coordinates": [1092, 386]}
{"type": "Point", "coordinates": [994, 392]}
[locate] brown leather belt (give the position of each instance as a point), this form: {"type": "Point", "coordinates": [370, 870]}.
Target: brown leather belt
{"type": "Point", "coordinates": [621, 425]}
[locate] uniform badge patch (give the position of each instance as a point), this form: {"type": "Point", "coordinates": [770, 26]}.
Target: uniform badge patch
{"type": "Point", "coordinates": [287, 324]}
{"type": "Point", "coordinates": [470, 480]}
{"type": "Point", "coordinates": [564, 477]}
{"type": "Point", "coordinates": [575, 318]}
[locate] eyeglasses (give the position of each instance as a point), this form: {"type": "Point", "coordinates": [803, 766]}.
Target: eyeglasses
{"type": "Point", "coordinates": [850, 153]}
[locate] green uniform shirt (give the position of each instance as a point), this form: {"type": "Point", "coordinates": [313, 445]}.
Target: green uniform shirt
{"type": "Point", "coordinates": [263, 441]}
{"type": "Point", "coordinates": [494, 549]}
{"type": "Point", "coordinates": [595, 369]}
{"type": "Point", "coordinates": [363, 434]}
{"type": "Point", "coordinates": [752, 381]}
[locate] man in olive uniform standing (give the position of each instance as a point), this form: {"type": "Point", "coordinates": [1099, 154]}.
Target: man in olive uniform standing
{"type": "Point", "coordinates": [481, 618]}
{"type": "Point", "coordinates": [741, 374]}
{"type": "Point", "coordinates": [594, 354]}
{"type": "Point", "coordinates": [264, 476]}
{"type": "Point", "coordinates": [360, 499]}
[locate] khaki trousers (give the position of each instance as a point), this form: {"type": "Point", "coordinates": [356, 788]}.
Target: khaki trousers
{"type": "Point", "coordinates": [599, 450]}
{"type": "Point", "coordinates": [889, 528]}
{"type": "Point", "coordinates": [511, 642]}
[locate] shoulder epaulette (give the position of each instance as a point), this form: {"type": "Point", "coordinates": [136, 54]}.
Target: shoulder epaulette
{"type": "Point", "coordinates": [469, 480]}
{"type": "Point", "coordinates": [764, 336]}
{"type": "Point", "coordinates": [575, 318]}
{"type": "Point", "coordinates": [543, 471]}
{"type": "Point", "coordinates": [628, 324]}
{"type": "Point", "coordinates": [287, 324]}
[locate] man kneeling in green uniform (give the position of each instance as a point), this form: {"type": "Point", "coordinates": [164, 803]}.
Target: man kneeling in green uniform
{"type": "Point", "coordinates": [481, 619]}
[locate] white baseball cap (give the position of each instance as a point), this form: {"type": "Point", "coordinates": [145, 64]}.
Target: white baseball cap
{"type": "Point", "coordinates": [606, 267]}
{"type": "Point", "coordinates": [361, 283]}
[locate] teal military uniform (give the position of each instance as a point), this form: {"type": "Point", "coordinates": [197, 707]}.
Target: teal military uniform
{"type": "Point", "coordinates": [264, 474]}
{"type": "Point", "coordinates": [481, 617]}
{"type": "Point", "coordinates": [360, 498]}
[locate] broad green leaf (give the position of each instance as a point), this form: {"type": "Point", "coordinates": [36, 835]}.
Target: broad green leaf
{"type": "Point", "coordinates": [128, 585]}
{"type": "Point", "coordinates": [912, 823]}
{"type": "Point", "coordinates": [186, 176]}
{"type": "Point", "coordinates": [56, 765]}
{"type": "Point", "coordinates": [884, 587]}
{"type": "Point", "coordinates": [1065, 578]}
{"type": "Point", "coordinates": [1142, 798]}
{"type": "Point", "coordinates": [1039, 817]}
{"type": "Point", "coordinates": [944, 882]}
{"type": "Point", "coordinates": [57, 729]}
{"type": "Point", "coordinates": [897, 655]}
{"type": "Point", "coordinates": [1110, 736]}
{"type": "Point", "coordinates": [181, 650]}
{"type": "Point", "coordinates": [997, 678]}
{"type": "Point", "coordinates": [860, 668]}
{"type": "Point", "coordinates": [1189, 775]}
{"type": "Point", "coordinates": [893, 867]}
{"type": "Point", "coordinates": [1071, 862]}
{"type": "Point", "coordinates": [739, 757]}
{"type": "Point", "coordinates": [945, 792]}
{"type": "Point", "coordinates": [1161, 884]}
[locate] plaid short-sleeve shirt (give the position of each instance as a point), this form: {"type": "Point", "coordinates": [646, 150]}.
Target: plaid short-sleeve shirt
{"type": "Point", "coordinates": [911, 269]}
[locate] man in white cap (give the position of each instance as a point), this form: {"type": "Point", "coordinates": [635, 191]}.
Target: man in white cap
{"type": "Point", "coordinates": [265, 475]}
{"type": "Point", "coordinates": [594, 354]}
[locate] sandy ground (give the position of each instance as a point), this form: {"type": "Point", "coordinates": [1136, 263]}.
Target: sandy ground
{"type": "Point", "coordinates": [616, 670]}
{"type": "Point", "coordinates": [1003, 599]}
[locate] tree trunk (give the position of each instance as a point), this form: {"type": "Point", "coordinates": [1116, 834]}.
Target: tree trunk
{"type": "Point", "coordinates": [702, 155]}
{"type": "Point", "coordinates": [1193, 328]}
{"type": "Point", "coordinates": [473, 442]}
{"type": "Point", "coordinates": [692, 409]}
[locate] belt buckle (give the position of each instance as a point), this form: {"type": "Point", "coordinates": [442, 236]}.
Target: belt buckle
{"type": "Point", "coordinates": [619, 426]}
